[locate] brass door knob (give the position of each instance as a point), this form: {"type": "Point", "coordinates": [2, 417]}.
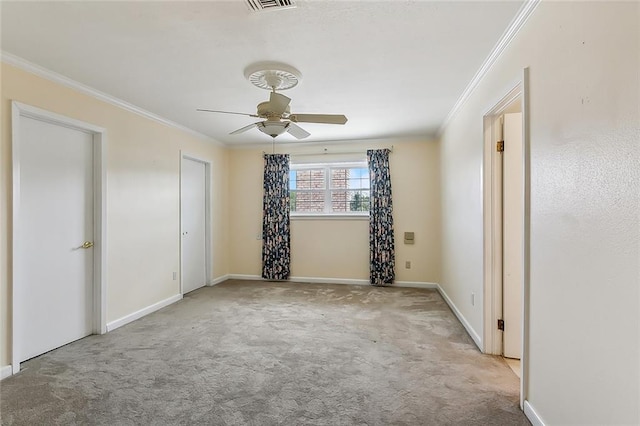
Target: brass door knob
{"type": "Point", "coordinates": [87, 244]}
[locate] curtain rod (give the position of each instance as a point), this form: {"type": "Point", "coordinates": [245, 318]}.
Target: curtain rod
{"type": "Point", "coordinates": [327, 152]}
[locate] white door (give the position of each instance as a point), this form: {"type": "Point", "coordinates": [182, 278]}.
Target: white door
{"type": "Point", "coordinates": [193, 198]}
{"type": "Point", "coordinates": [54, 276]}
{"type": "Point", "coordinates": [513, 234]}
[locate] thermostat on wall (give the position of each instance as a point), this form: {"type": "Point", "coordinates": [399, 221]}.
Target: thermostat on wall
{"type": "Point", "coordinates": [409, 238]}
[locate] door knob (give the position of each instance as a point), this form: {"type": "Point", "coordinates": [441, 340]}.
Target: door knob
{"type": "Point", "coordinates": [87, 244]}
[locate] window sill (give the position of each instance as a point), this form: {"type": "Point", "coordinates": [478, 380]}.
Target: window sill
{"type": "Point", "coordinates": [321, 216]}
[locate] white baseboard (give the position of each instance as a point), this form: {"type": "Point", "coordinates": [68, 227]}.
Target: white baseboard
{"type": "Point", "coordinates": [415, 284]}
{"type": "Point", "coordinates": [311, 280]}
{"type": "Point", "coordinates": [475, 336]}
{"type": "Point", "coordinates": [142, 312]}
{"type": "Point", "coordinates": [218, 280]}
{"type": "Point", "coordinates": [348, 281]}
{"type": "Point", "coordinates": [5, 371]}
{"type": "Point", "coordinates": [316, 280]}
{"type": "Point", "coordinates": [244, 277]}
{"type": "Point", "coordinates": [532, 415]}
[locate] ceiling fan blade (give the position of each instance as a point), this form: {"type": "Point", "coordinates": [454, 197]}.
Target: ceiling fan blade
{"type": "Point", "coordinates": [227, 112]}
{"type": "Point", "coordinates": [318, 118]}
{"type": "Point", "coordinates": [297, 131]}
{"type": "Point", "coordinates": [278, 103]}
{"type": "Point", "coordinates": [243, 129]}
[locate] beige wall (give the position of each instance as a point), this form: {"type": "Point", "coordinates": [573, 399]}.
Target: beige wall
{"type": "Point", "coordinates": [585, 222]}
{"type": "Point", "coordinates": [143, 160]}
{"type": "Point", "coordinates": [339, 248]}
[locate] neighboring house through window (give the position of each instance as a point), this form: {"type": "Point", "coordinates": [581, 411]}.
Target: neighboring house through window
{"type": "Point", "coordinates": [329, 189]}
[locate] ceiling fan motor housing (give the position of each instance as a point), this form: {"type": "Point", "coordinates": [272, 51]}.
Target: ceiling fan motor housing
{"type": "Point", "coordinates": [265, 111]}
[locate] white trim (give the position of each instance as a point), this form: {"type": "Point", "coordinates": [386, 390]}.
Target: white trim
{"type": "Point", "coordinates": [244, 277]}
{"type": "Point", "coordinates": [32, 68]}
{"type": "Point", "coordinates": [492, 220]}
{"type": "Point", "coordinates": [526, 281]}
{"type": "Point", "coordinates": [53, 118]}
{"type": "Point", "coordinates": [303, 280]}
{"type": "Point", "coordinates": [334, 164]}
{"type": "Point", "coordinates": [500, 105]}
{"type": "Point", "coordinates": [492, 226]}
{"type": "Point", "coordinates": [532, 415]}
{"type": "Point", "coordinates": [346, 281]}
{"type": "Point", "coordinates": [5, 371]}
{"type": "Point", "coordinates": [509, 34]}
{"type": "Point", "coordinates": [317, 280]}
{"type": "Point", "coordinates": [15, 227]}
{"type": "Point", "coordinates": [415, 284]}
{"type": "Point", "coordinates": [492, 239]}
{"type": "Point", "coordinates": [143, 312]}
{"type": "Point", "coordinates": [100, 230]}
{"type": "Point", "coordinates": [365, 282]}
{"type": "Point", "coordinates": [218, 280]}
{"type": "Point", "coordinates": [328, 216]}
{"type": "Point", "coordinates": [19, 110]}
{"type": "Point", "coordinates": [474, 335]}
{"type": "Point", "coordinates": [207, 216]}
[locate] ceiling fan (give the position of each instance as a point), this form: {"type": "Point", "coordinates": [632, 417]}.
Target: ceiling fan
{"type": "Point", "coordinates": [276, 111]}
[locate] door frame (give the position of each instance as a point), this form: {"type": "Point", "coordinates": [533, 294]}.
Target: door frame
{"type": "Point", "coordinates": [207, 218]}
{"type": "Point", "coordinates": [492, 226]}
{"type": "Point", "coordinates": [18, 111]}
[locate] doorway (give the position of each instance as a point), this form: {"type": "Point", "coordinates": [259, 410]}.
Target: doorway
{"type": "Point", "coordinates": [194, 223]}
{"type": "Point", "coordinates": [58, 234]}
{"type": "Point", "coordinates": [512, 235]}
{"type": "Point", "coordinates": [506, 225]}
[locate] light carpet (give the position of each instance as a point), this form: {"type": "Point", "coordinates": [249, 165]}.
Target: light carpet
{"type": "Point", "coordinates": [263, 353]}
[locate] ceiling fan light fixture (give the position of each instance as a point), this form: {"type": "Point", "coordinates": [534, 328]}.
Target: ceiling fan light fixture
{"type": "Point", "coordinates": [273, 128]}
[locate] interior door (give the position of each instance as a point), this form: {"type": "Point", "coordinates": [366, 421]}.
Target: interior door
{"type": "Point", "coordinates": [513, 234]}
{"type": "Point", "coordinates": [54, 277]}
{"type": "Point", "coordinates": [193, 214]}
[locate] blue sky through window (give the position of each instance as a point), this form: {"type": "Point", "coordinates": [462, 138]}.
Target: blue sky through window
{"type": "Point", "coordinates": [292, 179]}
{"type": "Point", "coordinates": [359, 178]}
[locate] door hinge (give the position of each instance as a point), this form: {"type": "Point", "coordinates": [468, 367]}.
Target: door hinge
{"type": "Point", "coordinates": [500, 146]}
{"type": "Point", "coordinates": [501, 324]}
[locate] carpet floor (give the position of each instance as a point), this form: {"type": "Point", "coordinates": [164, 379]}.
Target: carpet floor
{"type": "Point", "coordinates": [259, 353]}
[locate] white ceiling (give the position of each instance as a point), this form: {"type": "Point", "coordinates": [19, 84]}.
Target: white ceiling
{"type": "Point", "coordinates": [395, 68]}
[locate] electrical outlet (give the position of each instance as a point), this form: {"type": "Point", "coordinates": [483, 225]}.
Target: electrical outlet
{"type": "Point", "coordinates": [473, 299]}
{"type": "Point", "coordinates": [175, 276]}
{"type": "Point", "coordinates": [407, 264]}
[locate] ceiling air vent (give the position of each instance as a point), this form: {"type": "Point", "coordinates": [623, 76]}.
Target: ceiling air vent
{"type": "Point", "coordinates": [258, 5]}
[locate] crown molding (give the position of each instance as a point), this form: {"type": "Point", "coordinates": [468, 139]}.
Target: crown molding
{"type": "Point", "coordinates": [32, 68]}
{"type": "Point", "coordinates": [512, 30]}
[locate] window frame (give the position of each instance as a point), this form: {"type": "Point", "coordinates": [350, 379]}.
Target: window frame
{"type": "Point", "coordinates": [328, 167]}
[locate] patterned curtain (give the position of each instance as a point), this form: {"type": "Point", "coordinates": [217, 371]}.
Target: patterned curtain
{"type": "Point", "coordinates": [381, 242]}
{"type": "Point", "coordinates": [276, 246]}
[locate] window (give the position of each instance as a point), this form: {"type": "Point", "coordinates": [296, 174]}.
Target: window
{"type": "Point", "coordinates": [329, 189]}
